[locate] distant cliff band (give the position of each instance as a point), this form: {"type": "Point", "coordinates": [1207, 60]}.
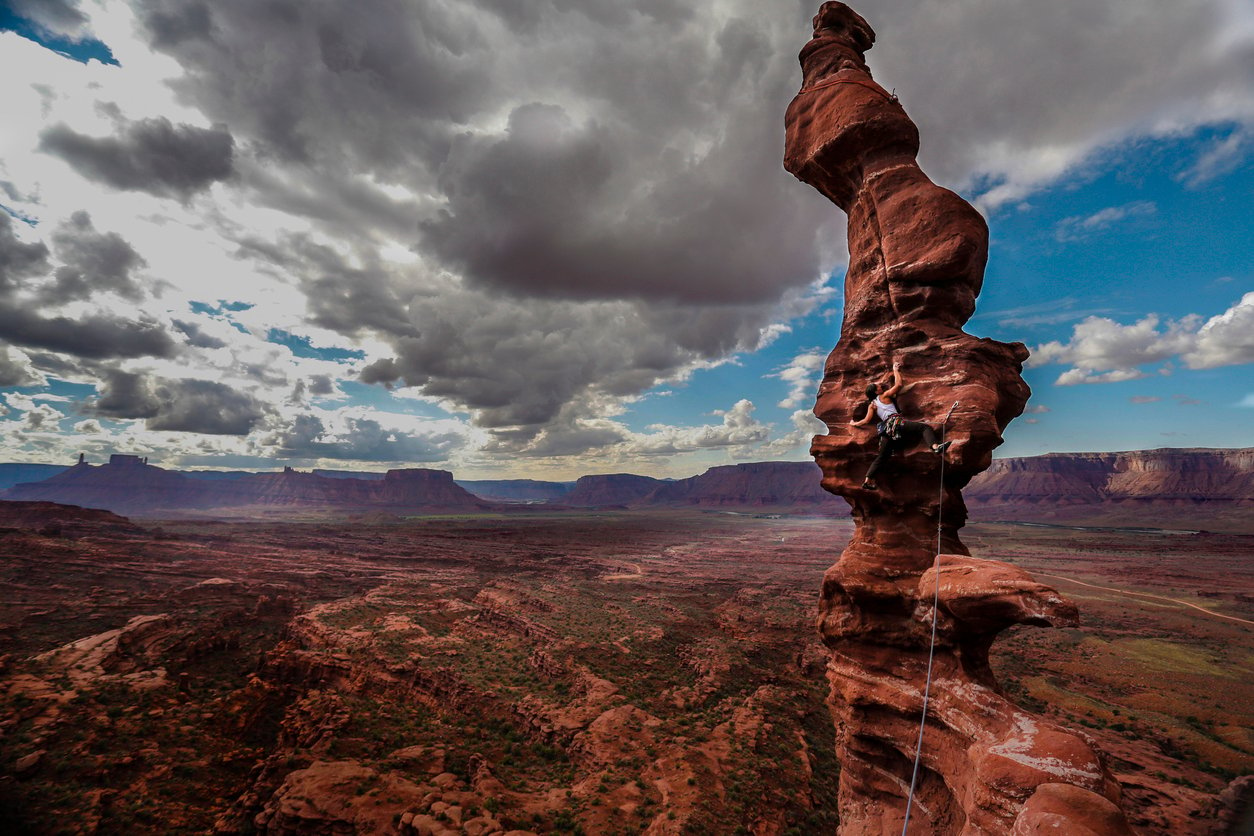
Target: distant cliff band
{"type": "Point", "coordinates": [1214, 481]}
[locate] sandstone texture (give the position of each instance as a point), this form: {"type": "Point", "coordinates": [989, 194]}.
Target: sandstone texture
{"type": "Point", "coordinates": [917, 254]}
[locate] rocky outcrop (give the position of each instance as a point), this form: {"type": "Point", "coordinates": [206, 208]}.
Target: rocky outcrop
{"type": "Point", "coordinates": [780, 486]}
{"type": "Point", "coordinates": [126, 485]}
{"type": "Point", "coordinates": [129, 653]}
{"type": "Point", "coordinates": [421, 488]}
{"type": "Point", "coordinates": [774, 485]}
{"type": "Point", "coordinates": [613, 489]}
{"type": "Point", "coordinates": [52, 519]}
{"type": "Point", "coordinates": [916, 262]}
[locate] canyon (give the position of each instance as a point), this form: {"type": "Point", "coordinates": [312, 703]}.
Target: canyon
{"type": "Point", "coordinates": [641, 671]}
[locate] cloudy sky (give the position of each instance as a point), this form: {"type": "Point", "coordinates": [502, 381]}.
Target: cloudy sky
{"type": "Point", "coordinates": [542, 238]}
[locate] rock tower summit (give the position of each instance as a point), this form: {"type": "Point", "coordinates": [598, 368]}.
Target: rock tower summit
{"type": "Point", "coordinates": [917, 253]}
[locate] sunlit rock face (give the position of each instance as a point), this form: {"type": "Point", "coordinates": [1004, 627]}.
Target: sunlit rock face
{"type": "Point", "coordinates": [917, 253]}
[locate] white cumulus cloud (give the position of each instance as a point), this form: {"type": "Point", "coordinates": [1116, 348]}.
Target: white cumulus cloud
{"type": "Point", "coordinates": [1104, 351]}
{"type": "Point", "coordinates": [801, 376]}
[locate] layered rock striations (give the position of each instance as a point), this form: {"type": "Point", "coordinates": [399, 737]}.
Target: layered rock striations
{"type": "Point", "coordinates": [916, 261]}
{"type": "Point", "coordinates": [1154, 478]}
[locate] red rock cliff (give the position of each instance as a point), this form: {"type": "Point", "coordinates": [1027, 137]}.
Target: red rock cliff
{"type": "Point", "coordinates": [610, 489]}
{"type": "Point", "coordinates": [768, 485]}
{"type": "Point", "coordinates": [916, 263]}
{"type": "Point", "coordinates": [1154, 477]}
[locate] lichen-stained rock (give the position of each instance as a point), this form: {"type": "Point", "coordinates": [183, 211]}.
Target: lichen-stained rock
{"type": "Point", "coordinates": [917, 253]}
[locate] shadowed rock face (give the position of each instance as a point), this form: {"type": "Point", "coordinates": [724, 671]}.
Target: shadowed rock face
{"type": "Point", "coordinates": [916, 263]}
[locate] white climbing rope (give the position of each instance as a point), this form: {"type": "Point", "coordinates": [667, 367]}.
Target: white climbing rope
{"type": "Point", "coordinates": [931, 651]}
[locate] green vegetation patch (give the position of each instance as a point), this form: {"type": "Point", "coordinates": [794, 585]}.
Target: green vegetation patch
{"type": "Point", "coordinates": [1173, 657]}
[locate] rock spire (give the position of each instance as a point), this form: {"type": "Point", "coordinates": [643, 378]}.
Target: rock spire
{"type": "Point", "coordinates": [917, 253]}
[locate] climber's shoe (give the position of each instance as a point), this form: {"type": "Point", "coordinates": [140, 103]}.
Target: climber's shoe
{"type": "Point", "coordinates": [869, 485]}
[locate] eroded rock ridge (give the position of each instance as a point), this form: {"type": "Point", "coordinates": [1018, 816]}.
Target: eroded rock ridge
{"type": "Point", "coordinates": [917, 253]}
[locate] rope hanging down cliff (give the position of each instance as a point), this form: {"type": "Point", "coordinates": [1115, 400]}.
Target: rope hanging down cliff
{"type": "Point", "coordinates": [931, 651]}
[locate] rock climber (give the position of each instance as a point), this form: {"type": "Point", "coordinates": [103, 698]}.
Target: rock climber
{"type": "Point", "coordinates": [894, 430]}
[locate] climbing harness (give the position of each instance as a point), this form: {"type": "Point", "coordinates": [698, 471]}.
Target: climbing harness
{"type": "Point", "coordinates": [892, 97]}
{"type": "Point", "coordinates": [931, 651]}
{"type": "Point", "coordinates": [891, 426]}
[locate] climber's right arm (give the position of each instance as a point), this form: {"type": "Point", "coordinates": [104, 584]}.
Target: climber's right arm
{"type": "Point", "coordinates": [866, 419]}
{"type": "Point", "coordinates": [896, 387]}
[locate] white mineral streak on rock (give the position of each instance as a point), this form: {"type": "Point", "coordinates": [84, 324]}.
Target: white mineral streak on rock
{"type": "Point", "coordinates": [1017, 746]}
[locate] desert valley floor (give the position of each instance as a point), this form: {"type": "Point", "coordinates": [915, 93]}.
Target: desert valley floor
{"type": "Point", "coordinates": [548, 672]}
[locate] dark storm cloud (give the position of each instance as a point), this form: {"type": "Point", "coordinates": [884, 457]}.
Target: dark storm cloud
{"type": "Point", "coordinates": [518, 363]}
{"type": "Point", "coordinates": [547, 209]}
{"type": "Point", "coordinates": [342, 296]}
{"type": "Point", "coordinates": [321, 384]}
{"type": "Point", "coordinates": [66, 368]}
{"type": "Point", "coordinates": [562, 440]}
{"type": "Point", "coordinates": [92, 261]}
{"type": "Point", "coordinates": [325, 83]}
{"type": "Point", "coordinates": [648, 207]}
{"type": "Point", "coordinates": [363, 439]}
{"type": "Point", "coordinates": [386, 371]}
{"type": "Point", "coordinates": [597, 194]}
{"type": "Point", "coordinates": [18, 260]}
{"type": "Point", "coordinates": [98, 336]}
{"type": "Point", "coordinates": [339, 202]}
{"type": "Point", "coordinates": [171, 26]}
{"type": "Point", "coordinates": [1023, 82]}
{"type": "Point", "coordinates": [197, 406]}
{"type": "Point", "coordinates": [205, 406]}
{"type": "Point", "coordinates": [196, 337]}
{"type": "Point", "coordinates": [665, 185]}
{"type": "Point", "coordinates": [151, 155]}
{"type": "Point", "coordinates": [14, 372]}
{"type": "Point", "coordinates": [126, 395]}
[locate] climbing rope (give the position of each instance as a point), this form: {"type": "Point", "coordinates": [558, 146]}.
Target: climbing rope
{"type": "Point", "coordinates": [931, 651]}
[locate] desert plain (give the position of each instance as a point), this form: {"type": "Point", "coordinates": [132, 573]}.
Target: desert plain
{"type": "Point", "coordinates": [611, 672]}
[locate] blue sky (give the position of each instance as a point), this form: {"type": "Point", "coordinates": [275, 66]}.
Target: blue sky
{"type": "Point", "coordinates": [1135, 232]}
{"type": "Point", "coordinates": [489, 243]}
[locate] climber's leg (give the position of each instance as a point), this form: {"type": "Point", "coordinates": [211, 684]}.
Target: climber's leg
{"type": "Point", "coordinates": [916, 428]}
{"type": "Point", "coordinates": [886, 449]}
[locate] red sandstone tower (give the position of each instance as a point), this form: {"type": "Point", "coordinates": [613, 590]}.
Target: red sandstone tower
{"type": "Point", "coordinates": [917, 254]}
